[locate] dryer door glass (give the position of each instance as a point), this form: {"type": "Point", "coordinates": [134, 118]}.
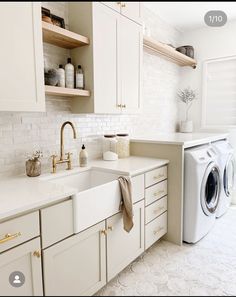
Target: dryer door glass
{"type": "Point", "coordinates": [210, 190]}
{"type": "Point", "coordinates": [229, 176]}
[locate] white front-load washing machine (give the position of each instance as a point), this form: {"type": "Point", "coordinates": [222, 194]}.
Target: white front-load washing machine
{"type": "Point", "coordinates": [201, 192]}
{"type": "Point", "coordinates": [226, 162]}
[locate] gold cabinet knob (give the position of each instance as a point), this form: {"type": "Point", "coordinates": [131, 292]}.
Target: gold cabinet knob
{"type": "Point", "coordinates": [104, 232]}
{"type": "Point", "coordinates": [123, 106]}
{"type": "Point", "coordinates": [37, 254]}
{"type": "Point", "coordinates": [159, 193]}
{"type": "Point", "coordinates": [110, 228]}
{"type": "Point", "coordinates": [158, 210]}
{"type": "Point", "coordinates": [119, 105]}
{"type": "Point", "coordinates": [123, 4]}
{"type": "Point", "coordinates": [158, 231]}
{"type": "Point", "coordinates": [159, 176]}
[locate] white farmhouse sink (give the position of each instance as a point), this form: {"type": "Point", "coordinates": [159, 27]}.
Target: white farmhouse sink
{"type": "Point", "coordinates": [98, 196]}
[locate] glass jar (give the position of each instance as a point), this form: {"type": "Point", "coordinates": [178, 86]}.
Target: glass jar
{"type": "Point", "coordinates": [110, 143]}
{"type": "Point", "coordinates": [123, 145]}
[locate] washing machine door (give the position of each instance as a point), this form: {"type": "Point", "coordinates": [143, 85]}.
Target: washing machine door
{"type": "Point", "coordinates": [229, 176]}
{"type": "Point", "coordinates": [210, 189]}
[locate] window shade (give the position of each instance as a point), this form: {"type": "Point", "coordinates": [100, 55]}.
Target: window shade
{"type": "Point", "coordinates": [219, 92]}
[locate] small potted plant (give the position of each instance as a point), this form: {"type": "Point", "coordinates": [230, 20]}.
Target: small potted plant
{"type": "Point", "coordinates": [187, 96]}
{"type": "Point", "coordinates": [33, 164]}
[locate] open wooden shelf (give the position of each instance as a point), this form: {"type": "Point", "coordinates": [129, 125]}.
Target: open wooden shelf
{"type": "Point", "coordinates": [61, 37]}
{"type": "Point", "coordinates": [168, 52]}
{"type": "Point", "coordinates": [66, 92]}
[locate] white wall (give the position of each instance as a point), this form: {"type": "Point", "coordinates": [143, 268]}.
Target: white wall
{"type": "Point", "coordinates": [209, 43]}
{"type": "Point", "coordinates": [21, 133]}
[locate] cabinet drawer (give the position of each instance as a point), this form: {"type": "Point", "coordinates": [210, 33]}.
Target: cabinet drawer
{"type": "Point", "coordinates": [56, 223]}
{"type": "Point", "coordinates": [155, 230]}
{"type": "Point", "coordinates": [138, 188]}
{"type": "Point", "coordinates": [155, 192]}
{"type": "Point", "coordinates": [155, 176]}
{"type": "Point", "coordinates": [155, 209]}
{"type": "Point", "coordinates": [19, 230]}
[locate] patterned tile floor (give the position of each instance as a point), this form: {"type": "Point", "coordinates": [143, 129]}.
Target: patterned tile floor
{"type": "Point", "coordinates": [207, 268]}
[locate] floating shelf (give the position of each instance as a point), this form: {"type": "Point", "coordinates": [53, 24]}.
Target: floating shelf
{"type": "Point", "coordinates": [168, 52]}
{"type": "Point", "coordinates": [61, 37]}
{"type": "Point", "coordinates": [66, 92]}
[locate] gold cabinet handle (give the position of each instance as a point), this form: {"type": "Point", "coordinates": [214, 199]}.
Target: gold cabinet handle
{"type": "Point", "coordinates": [159, 193]}
{"type": "Point", "coordinates": [9, 237]}
{"type": "Point", "coordinates": [123, 4]}
{"type": "Point", "coordinates": [158, 231]}
{"type": "Point", "coordinates": [119, 105]}
{"type": "Point", "coordinates": [158, 210]}
{"type": "Point", "coordinates": [159, 176]}
{"type": "Point", "coordinates": [104, 232]}
{"type": "Point", "coordinates": [37, 254]}
{"type": "Point", "coordinates": [110, 228]}
{"type": "Point", "coordinates": [123, 106]}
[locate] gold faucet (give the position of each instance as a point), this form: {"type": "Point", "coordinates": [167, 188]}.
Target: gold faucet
{"type": "Point", "coordinates": [62, 154]}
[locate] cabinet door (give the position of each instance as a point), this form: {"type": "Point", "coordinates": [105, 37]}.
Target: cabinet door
{"type": "Point", "coordinates": [132, 10]}
{"type": "Point", "coordinates": [114, 5]}
{"type": "Point", "coordinates": [77, 265]}
{"type": "Point", "coordinates": [21, 60]}
{"type": "Point", "coordinates": [22, 259]}
{"type": "Point", "coordinates": [105, 51]}
{"type": "Point", "coordinates": [123, 247]}
{"type": "Point", "coordinates": [130, 60]}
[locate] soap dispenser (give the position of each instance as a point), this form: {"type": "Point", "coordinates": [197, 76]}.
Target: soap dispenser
{"type": "Point", "coordinates": [83, 157]}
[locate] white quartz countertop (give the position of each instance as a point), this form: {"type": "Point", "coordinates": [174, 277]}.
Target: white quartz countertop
{"type": "Point", "coordinates": [184, 139]}
{"type": "Point", "coordinates": [22, 194]}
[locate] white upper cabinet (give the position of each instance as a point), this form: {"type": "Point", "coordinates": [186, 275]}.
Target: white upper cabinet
{"type": "Point", "coordinates": [105, 47]}
{"type": "Point", "coordinates": [132, 10]}
{"type": "Point", "coordinates": [130, 65]}
{"type": "Point", "coordinates": [112, 63]}
{"type": "Point", "coordinates": [21, 73]}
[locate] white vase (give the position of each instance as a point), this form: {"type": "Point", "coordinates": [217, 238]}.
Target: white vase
{"type": "Point", "coordinates": [186, 126]}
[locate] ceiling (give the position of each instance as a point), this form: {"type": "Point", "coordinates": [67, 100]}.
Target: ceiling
{"type": "Point", "coordinates": [187, 16]}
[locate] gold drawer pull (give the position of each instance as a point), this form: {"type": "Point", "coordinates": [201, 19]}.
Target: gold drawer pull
{"type": "Point", "coordinates": [37, 254]}
{"type": "Point", "coordinates": [110, 228]}
{"type": "Point", "coordinates": [158, 231]}
{"type": "Point", "coordinates": [159, 193]}
{"type": "Point", "coordinates": [104, 232]}
{"type": "Point", "coordinates": [160, 209]}
{"type": "Point", "coordinates": [159, 176]}
{"type": "Point", "coordinates": [123, 5]}
{"type": "Point", "coordinates": [9, 237]}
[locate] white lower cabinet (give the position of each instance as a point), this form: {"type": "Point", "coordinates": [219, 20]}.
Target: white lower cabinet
{"type": "Point", "coordinates": [123, 247]}
{"type": "Point", "coordinates": [77, 265]}
{"type": "Point", "coordinates": [22, 259]}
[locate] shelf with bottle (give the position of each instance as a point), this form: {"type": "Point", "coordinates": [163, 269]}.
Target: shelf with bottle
{"type": "Point", "coordinates": [68, 83]}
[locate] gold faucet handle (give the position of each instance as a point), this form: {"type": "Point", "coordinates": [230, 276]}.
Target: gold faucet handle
{"type": "Point", "coordinates": [69, 162]}
{"type": "Point", "coordinates": [54, 163]}
{"type": "Point", "coordinates": [68, 155]}
{"type": "Point", "coordinates": [54, 157]}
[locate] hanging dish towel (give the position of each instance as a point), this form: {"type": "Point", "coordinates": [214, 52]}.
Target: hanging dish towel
{"type": "Point", "coordinates": [126, 205]}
